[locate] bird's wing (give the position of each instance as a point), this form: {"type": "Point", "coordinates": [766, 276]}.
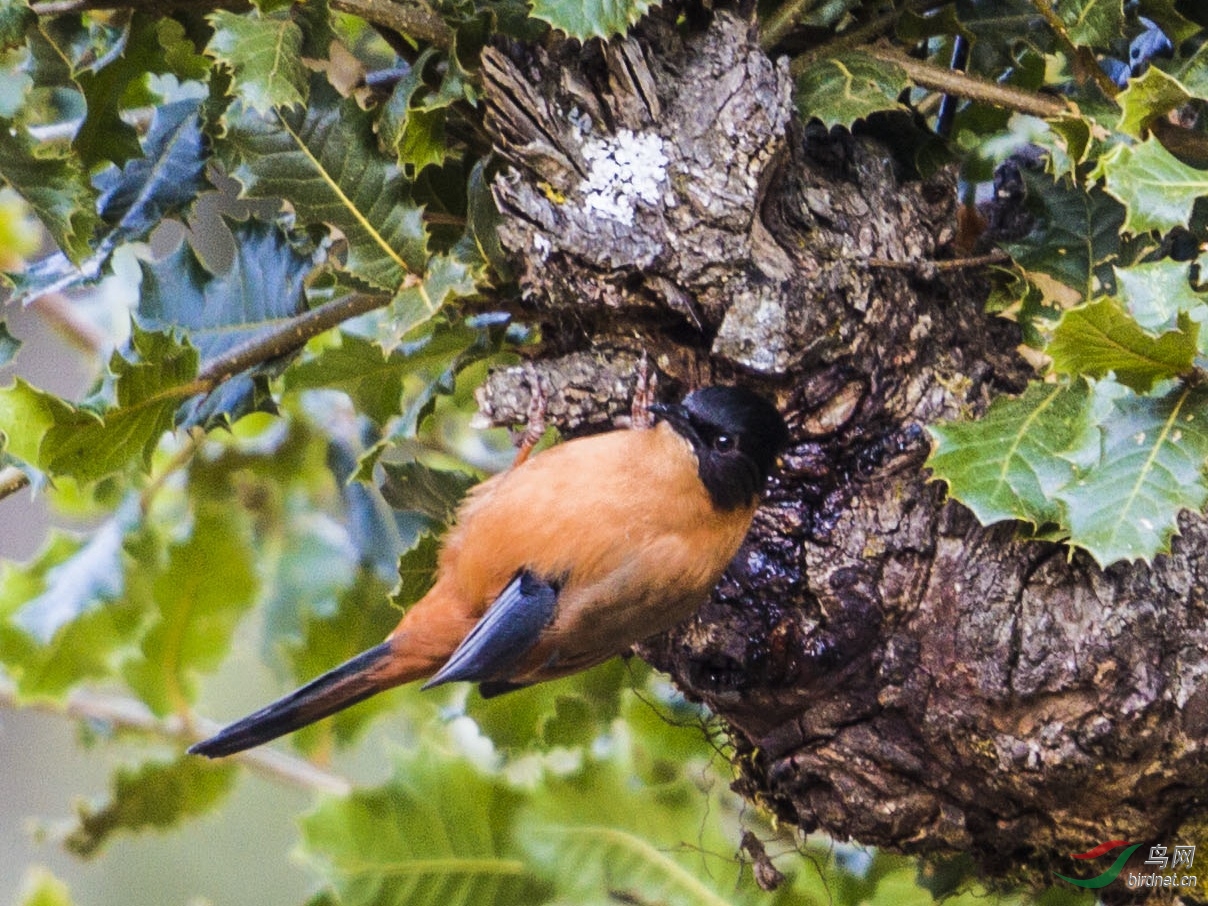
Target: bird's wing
{"type": "Point", "coordinates": [507, 632]}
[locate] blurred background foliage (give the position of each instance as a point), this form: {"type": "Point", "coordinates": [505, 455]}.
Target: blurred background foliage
{"type": "Point", "coordinates": [187, 191]}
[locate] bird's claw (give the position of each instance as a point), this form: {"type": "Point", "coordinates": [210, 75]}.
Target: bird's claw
{"type": "Point", "coordinates": [643, 395]}
{"type": "Point", "coordinates": [534, 430]}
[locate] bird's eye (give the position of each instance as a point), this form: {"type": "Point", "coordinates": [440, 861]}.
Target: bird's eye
{"type": "Point", "coordinates": [724, 443]}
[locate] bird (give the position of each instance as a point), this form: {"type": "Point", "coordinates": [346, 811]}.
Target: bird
{"type": "Point", "coordinates": [566, 559]}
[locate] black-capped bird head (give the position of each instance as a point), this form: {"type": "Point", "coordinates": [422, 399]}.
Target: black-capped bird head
{"type": "Point", "coordinates": [736, 434]}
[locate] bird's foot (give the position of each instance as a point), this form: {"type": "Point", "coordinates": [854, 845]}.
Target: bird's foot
{"type": "Point", "coordinates": [535, 429]}
{"type": "Point", "coordinates": [643, 395]}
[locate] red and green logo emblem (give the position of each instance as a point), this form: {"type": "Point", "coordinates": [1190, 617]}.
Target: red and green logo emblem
{"type": "Point", "coordinates": [1102, 880]}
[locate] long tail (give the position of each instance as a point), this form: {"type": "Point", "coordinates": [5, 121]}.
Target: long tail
{"type": "Point", "coordinates": [370, 672]}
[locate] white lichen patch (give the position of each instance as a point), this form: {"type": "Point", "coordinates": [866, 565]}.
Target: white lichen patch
{"type": "Point", "coordinates": [623, 169]}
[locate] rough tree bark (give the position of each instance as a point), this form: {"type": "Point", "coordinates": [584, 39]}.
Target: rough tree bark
{"type": "Point", "coordinates": [893, 672]}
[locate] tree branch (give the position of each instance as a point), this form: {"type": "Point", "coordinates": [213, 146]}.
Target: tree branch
{"type": "Point", "coordinates": [414, 19]}
{"type": "Point", "coordinates": [123, 713]}
{"type": "Point", "coordinates": [291, 336]}
{"type": "Point", "coordinates": [968, 86]}
{"type": "Point", "coordinates": [12, 480]}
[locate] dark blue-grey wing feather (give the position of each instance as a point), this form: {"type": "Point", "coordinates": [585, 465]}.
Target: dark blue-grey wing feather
{"type": "Point", "coordinates": [507, 632]}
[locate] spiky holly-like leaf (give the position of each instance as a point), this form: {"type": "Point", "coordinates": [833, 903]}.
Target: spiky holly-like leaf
{"type": "Point", "coordinates": [842, 89]}
{"type": "Point", "coordinates": [1151, 95]}
{"type": "Point", "coordinates": [584, 19]}
{"type": "Point", "coordinates": [1100, 339]}
{"type": "Point", "coordinates": [1150, 468]}
{"type": "Point", "coordinates": [1008, 464]}
{"type": "Point", "coordinates": [264, 52]}
{"type": "Point", "coordinates": [323, 159]}
{"type": "Point", "coordinates": [263, 289]}
{"type": "Point", "coordinates": [55, 187]}
{"type": "Point", "coordinates": [150, 382]}
{"type": "Point", "coordinates": [365, 847]}
{"type": "Point", "coordinates": [1075, 235]}
{"type": "Point", "coordinates": [1091, 23]}
{"type": "Point", "coordinates": [1157, 292]}
{"type": "Point", "coordinates": [1157, 190]}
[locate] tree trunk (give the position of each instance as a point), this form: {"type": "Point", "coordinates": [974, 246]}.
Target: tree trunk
{"type": "Point", "coordinates": [893, 671]}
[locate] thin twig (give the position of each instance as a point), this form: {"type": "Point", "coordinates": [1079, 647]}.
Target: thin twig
{"type": "Point", "coordinates": [68, 7]}
{"type": "Point", "coordinates": [968, 86]}
{"type": "Point", "coordinates": [291, 336]}
{"type": "Point", "coordinates": [948, 264]}
{"type": "Point", "coordinates": [12, 480]}
{"type": "Point", "coordinates": [82, 333]}
{"type": "Point", "coordinates": [124, 713]}
{"type": "Point", "coordinates": [179, 460]}
{"type": "Point", "coordinates": [781, 22]}
{"type": "Point", "coordinates": [414, 19]}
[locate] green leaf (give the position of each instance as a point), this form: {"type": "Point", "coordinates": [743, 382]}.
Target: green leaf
{"type": "Point", "coordinates": [15, 18]}
{"type": "Point", "coordinates": [573, 711]}
{"type": "Point", "coordinates": [1156, 189]}
{"type": "Point", "coordinates": [1145, 99]}
{"type": "Point", "coordinates": [413, 119]}
{"type": "Point", "coordinates": [852, 86]}
{"type": "Point", "coordinates": [373, 379]}
{"type": "Point", "coordinates": [155, 795]}
{"type": "Point", "coordinates": [436, 353]}
{"type": "Point", "coordinates": [1150, 468]}
{"type": "Point", "coordinates": [445, 280]}
{"type": "Point", "coordinates": [435, 493]}
{"type": "Point", "coordinates": [26, 415]}
{"type": "Point", "coordinates": [324, 160]}
{"type": "Point", "coordinates": [104, 135]}
{"type": "Point", "coordinates": [265, 55]}
{"type": "Point", "coordinates": [180, 53]}
{"type": "Point", "coordinates": [8, 348]}
{"type": "Point", "coordinates": [1100, 339]}
{"type": "Point", "coordinates": [659, 844]}
{"type": "Point", "coordinates": [584, 19]}
{"type": "Point", "coordinates": [1193, 74]}
{"type": "Point", "coordinates": [196, 607]}
{"type": "Point", "coordinates": [1008, 464]}
{"type": "Point", "coordinates": [435, 835]}
{"type": "Point", "coordinates": [92, 576]}
{"type": "Point", "coordinates": [1076, 233]}
{"type": "Point", "coordinates": [136, 198]}
{"type": "Point", "coordinates": [416, 570]}
{"type": "Point", "coordinates": [41, 888]}
{"type": "Point", "coordinates": [1092, 23]}
{"type": "Point", "coordinates": [56, 188]}
{"type": "Point", "coordinates": [481, 240]}
{"type": "Point", "coordinates": [1157, 292]}
{"type": "Point", "coordinates": [264, 288]}
{"type": "Point", "coordinates": [150, 384]}
{"type": "Point", "coordinates": [85, 648]}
